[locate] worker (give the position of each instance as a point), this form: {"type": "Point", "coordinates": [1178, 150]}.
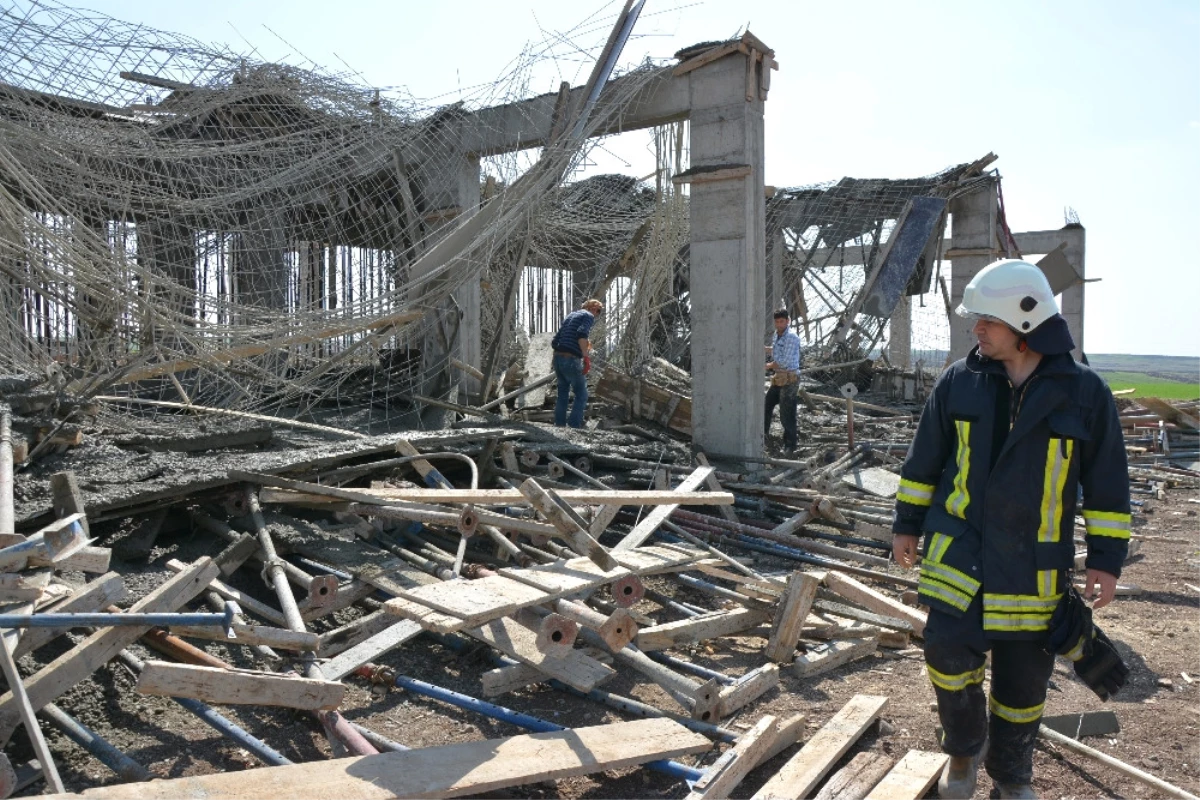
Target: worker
{"type": "Point", "coordinates": [1008, 437]}
{"type": "Point", "coordinates": [784, 352]}
{"type": "Point", "coordinates": [572, 360]}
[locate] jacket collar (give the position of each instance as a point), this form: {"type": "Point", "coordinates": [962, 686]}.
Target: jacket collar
{"type": "Point", "coordinates": [1053, 365]}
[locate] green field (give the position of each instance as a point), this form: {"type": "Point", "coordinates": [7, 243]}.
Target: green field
{"type": "Point", "coordinates": [1152, 386]}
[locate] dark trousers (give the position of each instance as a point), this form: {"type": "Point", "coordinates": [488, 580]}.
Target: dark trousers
{"type": "Point", "coordinates": [785, 398]}
{"type": "Point", "coordinates": [955, 654]}
{"type": "Point", "coordinates": [571, 379]}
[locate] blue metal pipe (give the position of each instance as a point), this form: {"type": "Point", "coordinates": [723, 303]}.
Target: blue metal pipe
{"type": "Point", "coordinates": [628, 704]}
{"type": "Point", "coordinates": [89, 740]}
{"type": "Point", "coordinates": [256, 746]}
{"type": "Point", "coordinates": [524, 720]}
{"type": "Point", "coordinates": [99, 619]}
{"type": "Point", "coordinates": [692, 667]}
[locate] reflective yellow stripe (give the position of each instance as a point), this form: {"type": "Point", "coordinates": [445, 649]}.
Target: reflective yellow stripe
{"type": "Point", "coordinates": [1047, 582]}
{"type": "Point", "coordinates": [1015, 603]}
{"type": "Point", "coordinates": [959, 499]}
{"type": "Point", "coordinates": [1053, 482]}
{"type": "Point", "coordinates": [1016, 622]}
{"type": "Point", "coordinates": [955, 683]}
{"type": "Point", "coordinates": [918, 494]}
{"type": "Point", "coordinates": [1114, 524]}
{"type": "Point", "coordinates": [947, 594]}
{"type": "Point", "coordinates": [937, 547]}
{"type": "Point", "coordinates": [1018, 612]}
{"type": "Point", "coordinates": [1017, 715]}
{"type": "Point", "coordinates": [959, 580]}
{"type": "Point", "coordinates": [1076, 652]}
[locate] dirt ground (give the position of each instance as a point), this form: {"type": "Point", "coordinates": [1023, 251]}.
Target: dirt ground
{"type": "Point", "coordinates": [1158, 630]}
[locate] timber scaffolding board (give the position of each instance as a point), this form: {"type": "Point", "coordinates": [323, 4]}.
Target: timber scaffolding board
{"type": "Point", "coordinates": [454, 605]}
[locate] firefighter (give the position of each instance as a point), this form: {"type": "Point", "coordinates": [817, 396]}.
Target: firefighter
{"type": "Point", "coordinates": [1006, 441]}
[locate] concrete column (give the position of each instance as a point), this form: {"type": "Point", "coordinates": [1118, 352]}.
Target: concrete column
{"type": "Point", "coordinates": [260, 265]}
{"type": "Point", "coordinates": [728, 258]}
{"type": "Point", "coordinates": [449, 193]}
{"type": "Point", "coordinates": [168, 250]}
{"type": "Point", "coordinates": [900, 340]}
{"type": "Point", "coordinates": [1072, 303]}
{"type": "Point", "coordinates": [972, 247]}
{"type": "Point", "coordinates": [774, 277]}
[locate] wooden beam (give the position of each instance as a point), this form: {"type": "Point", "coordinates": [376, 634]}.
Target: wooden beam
{"type": "Point", "coordinates": [750, 687]}
{"type": "Point", "coordinates": [581, 541]}
{"type": "Point", "coordinates": [801, 774]}
{"type": "Point", "coordinates": [254, 634]}
{"type": "Point", "coordinates": [61, 674]}
{"type": "Point", "coordinates": [452, 770]}
{"type": "Point", "coordinates": [697, 629]}
{"type": "Point", "coordinates": [789, 620]}
{"type": "Point", "coordinates": [823, 658]}
{"type": "Point", "coordinates": [575, 669]}
{"type": "Point", "coordinates": [238, 687]}
{"type": "Point", "coordinates": [502, 497]}
{"type": "Point", "coordinates": [735, 763]}
{"type": "Point", "coordinates": [858, 592]}
{"type": "Point", "coordinates": [365, 651]}
{"type": "Point", "coordinates": [93, 596]}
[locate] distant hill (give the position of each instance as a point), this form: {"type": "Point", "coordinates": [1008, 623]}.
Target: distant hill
{"type": "Point", "coordinates": [1185, 369]}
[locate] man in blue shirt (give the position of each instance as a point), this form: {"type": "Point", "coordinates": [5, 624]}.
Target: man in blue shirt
{"type": "Point", "coordinates": [572, 350]}
{"type": "Point", "coordinates": [785, 360]}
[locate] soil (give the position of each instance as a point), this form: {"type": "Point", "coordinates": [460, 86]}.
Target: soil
{"type": "Point", "coordinates": [1157, 630]}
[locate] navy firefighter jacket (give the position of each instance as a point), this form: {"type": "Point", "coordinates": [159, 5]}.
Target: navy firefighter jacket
{"type": "Point", "coordinates": [992, 480]}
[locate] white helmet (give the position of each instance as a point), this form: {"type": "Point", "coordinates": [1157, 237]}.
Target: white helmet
{"type": "Point", "coordinates": [1014, 292]}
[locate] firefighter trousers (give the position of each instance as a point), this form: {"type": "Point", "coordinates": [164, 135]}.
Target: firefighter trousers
{"type": "Point", "coordinates": [1008, 718]}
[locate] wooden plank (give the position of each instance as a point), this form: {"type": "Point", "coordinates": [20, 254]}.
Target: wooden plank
{"type": "Point", "coordinates": [573, 668]}
{"type": "Point", "coordinates": [511, 677]}
{"type": "Point", "coordinates": [649, 524]}
{"type": "Point", "coordinates": [94, 560]}
{"type": "Point", "coordinates": [697, 629]}
{"type": "Point", "coordinates": [1170, 413]}
{"type": "Point", "coordinates": [750, 687]}
{"type": "Point", "coordinates": [388, 639]}
{"type": "Point", "coordinates": [874, 480]}
{"type": "Point", "coordinates": [477, 601]}
{"type": "Point", "coordinates": [339, 640]}
{"type": "Point", "coordinates": [801, 774]}
{"type": "Point", "coordinates": [858, 592]}
{"type": "Point", "coordinates": [299, 641]}
{"type": "Point", "coordinates": [57, 677]}
{"type": "Point", "coordinates": [447, 771]}
{"type": "Point", "coordinates": [735, 763]}
{"type": "Point", "coordinates": [857, 778]}
{"type": "Point", "coordinates": [238, 687]}
{"type": "Point", "coordinates": [749, 752]}
{"type": "Point", "coordinates": [789, 620]}
{"type": "Point", "coordinates": [911, 778]}
{"type": "Point", "coordinates": [714, 485]}
{"type": "Point", "coordinates": [825, 657]}
{"type": "Point", "coordinates": [506, 497]}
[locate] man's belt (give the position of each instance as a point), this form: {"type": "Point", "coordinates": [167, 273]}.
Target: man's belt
{"type": "Point", "coordinates": [565, 353]}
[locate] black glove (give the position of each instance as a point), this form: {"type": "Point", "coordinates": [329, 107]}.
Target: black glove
{"type": "Point", "coordinates": [1071, 626]}
{"type": "Point", "coordinates": [1101, 667]}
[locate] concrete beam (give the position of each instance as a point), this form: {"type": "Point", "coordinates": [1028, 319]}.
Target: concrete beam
{"type": "Point", "coordinates": [517, 126]}
{"type": "Point", "coordinates": [1028, 242]}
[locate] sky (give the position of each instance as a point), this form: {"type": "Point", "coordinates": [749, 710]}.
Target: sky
{"type": "Point", "coordinates": [1089, 104]}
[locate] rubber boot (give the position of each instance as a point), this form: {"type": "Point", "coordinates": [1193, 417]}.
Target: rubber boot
{"type": "Point", "coordinates": [958, 778]}
{"type": "Point", "coordinates": [1013, 791]}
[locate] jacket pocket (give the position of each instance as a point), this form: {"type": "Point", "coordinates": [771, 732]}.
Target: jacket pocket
{"type": "Point", "coordinates": [948, 569]}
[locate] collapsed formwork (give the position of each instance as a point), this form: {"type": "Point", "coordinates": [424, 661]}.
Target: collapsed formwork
{"type": "Point", "coordinates": [313, 262]}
